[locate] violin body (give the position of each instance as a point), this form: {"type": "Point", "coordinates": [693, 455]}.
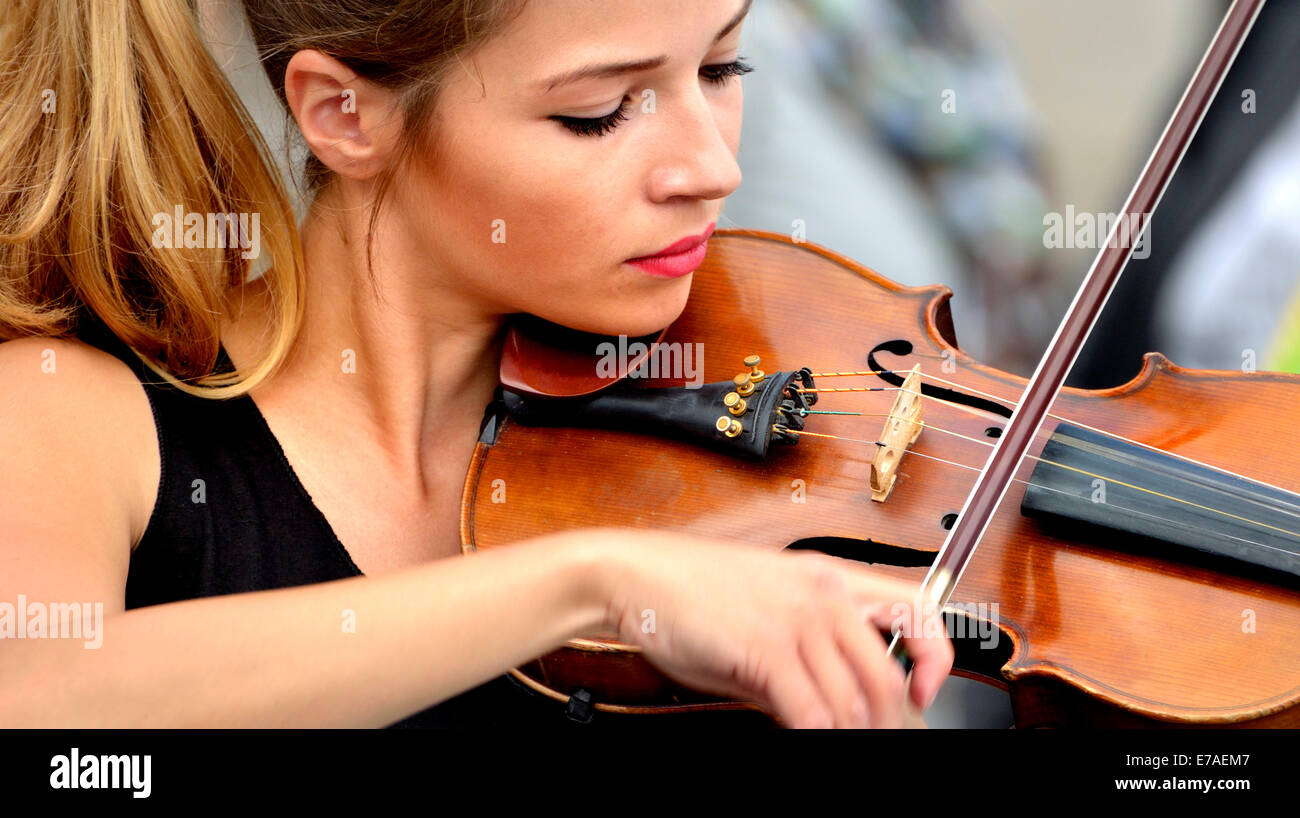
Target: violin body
{"type": "Point", "coordinates": [1083, 626]}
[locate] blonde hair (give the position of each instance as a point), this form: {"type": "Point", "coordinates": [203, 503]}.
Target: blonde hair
{"type": "Point", "coordinates": [115, 112]}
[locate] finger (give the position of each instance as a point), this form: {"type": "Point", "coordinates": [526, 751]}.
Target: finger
{"type": "Point", "coordinates": [835, 677]}
{"type": "Point", "coordinates": [912, 719]}
{"type": "Point", "coordinates": [926, 640]}
{"type": "Point", "coordinates": [881, 677]}
{"type": "Point", "coordinates": [864, 647]}
{"type": "Point", "coordinates": [795, 697]}
{"type": "Point", "coordinates": [870, 583]}
{"type": "Point", "coordinates": [888, 601]}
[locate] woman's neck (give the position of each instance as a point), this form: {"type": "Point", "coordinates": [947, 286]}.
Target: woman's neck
{"type": "Point", "coordinates": [405, 373]}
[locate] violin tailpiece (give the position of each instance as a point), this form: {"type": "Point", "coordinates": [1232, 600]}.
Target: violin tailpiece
{"type": "Point", "coordinates": [737, 418]}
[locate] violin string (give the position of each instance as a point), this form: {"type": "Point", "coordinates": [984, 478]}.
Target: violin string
{"type": "Point", "coordinates": [925, 425]}
{"type": "Point", "coordinates": [1123, 483]}
{"type": "Point", "coordinates": [1175, 523]}
{"type": "Point", "coordinates": [803, 433]}
{"type": "Point", "coordinates": [1287, 511]}
{"type": "Point", "coordinates": [1172, 522]}
{"type": "Point", "coordinates": [1085, 472]}
{"type": "Point", "coordinates": [906, 420]}
{"type": "Point", "coordinates": [1295, 512]}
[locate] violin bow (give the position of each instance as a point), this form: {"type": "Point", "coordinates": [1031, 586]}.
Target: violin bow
{"type": "Point", "coordinates": [1027, 417]}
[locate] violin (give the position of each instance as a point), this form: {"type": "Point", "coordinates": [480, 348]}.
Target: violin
{"type": "Point", "coordinates": [1138, 559]}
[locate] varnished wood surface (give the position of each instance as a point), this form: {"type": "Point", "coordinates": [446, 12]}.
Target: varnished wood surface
{"type": "Point", "coordinates": [1099, 635]}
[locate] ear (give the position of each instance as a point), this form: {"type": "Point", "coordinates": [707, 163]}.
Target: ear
{"type": "Point", "coordinates": [352, 125]}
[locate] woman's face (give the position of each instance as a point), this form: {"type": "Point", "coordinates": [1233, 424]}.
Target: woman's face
{"type": "Point", "coordinates": [532, 210]}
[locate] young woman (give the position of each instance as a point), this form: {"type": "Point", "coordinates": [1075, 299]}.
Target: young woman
{"type": "Point", "coordinates": [271, 523]}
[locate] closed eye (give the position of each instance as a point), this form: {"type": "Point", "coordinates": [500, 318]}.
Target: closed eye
{"type": "Point", "coordinates": [718, 74]}
{"type": "Point", "coordinates": [595, 127]}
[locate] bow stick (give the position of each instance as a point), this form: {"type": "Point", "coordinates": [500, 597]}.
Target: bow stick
{"type": "Point", "coordinates": [1048, 377]}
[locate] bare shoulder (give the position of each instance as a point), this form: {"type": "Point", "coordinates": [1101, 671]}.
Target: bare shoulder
{"type": "Point", "coordinates": [75, 421]}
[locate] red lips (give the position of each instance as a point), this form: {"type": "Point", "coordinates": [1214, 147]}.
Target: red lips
{"type": "Point", "coordinates": [682, 246]}
{"type": "Point", "coordinates": [679, 259]}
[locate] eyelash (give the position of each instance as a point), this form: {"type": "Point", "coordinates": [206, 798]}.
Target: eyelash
{"type": "Point", "coordinates": [716, 74]}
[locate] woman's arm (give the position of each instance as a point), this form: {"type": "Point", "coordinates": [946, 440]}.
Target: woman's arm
{"type": "Point", "coordinates": [284, 658]}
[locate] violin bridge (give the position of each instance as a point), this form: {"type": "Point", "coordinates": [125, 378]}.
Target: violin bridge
{"type": "Point", "coordinates": [902, 428]}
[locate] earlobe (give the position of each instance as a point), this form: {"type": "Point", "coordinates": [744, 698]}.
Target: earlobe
{"type": "Point", "coordinates": [349, 123]}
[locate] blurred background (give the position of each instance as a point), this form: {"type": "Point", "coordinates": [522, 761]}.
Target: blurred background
{"type": "Point", "coordinates": [932, 140]}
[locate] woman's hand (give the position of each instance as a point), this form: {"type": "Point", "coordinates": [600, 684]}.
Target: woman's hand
{"type": "Point", "coordinates": [797, 633]}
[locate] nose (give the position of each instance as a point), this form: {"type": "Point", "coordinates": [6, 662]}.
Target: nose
{"type": "Point", "coordinates": [695, 157]}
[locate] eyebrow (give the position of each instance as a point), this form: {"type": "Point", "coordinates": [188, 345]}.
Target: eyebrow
{"type": "Point", "coordinates": [608, 70]}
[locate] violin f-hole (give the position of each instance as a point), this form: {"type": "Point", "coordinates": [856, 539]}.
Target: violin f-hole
{"type": "Point", "coordinates": [902, 348]}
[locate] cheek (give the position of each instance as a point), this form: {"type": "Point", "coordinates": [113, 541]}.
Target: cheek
{"type": "Point", "coordinates": [730, 115]}
{"type": "Point", "coordinates": [561, 209]}
{"type": "Point", "coordinates": [531, 217]}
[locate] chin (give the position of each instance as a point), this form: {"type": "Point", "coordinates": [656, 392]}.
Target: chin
{"type": "Point", "coordinates": [633, 318]}
{"type": "Point", "coordinates": [641, 318]}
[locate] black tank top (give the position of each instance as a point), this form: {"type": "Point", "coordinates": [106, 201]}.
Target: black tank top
{"type": "Point", "coordinates": [231, 517]}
